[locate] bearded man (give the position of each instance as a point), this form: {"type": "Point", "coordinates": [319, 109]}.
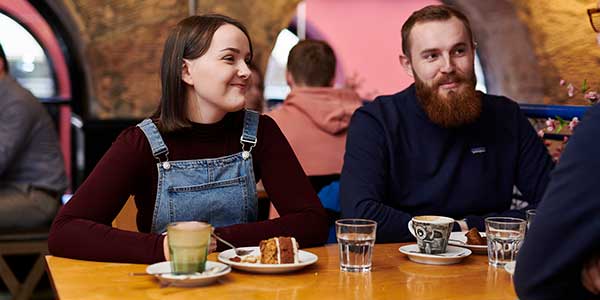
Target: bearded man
{"type": "Point", "coordinates": [439, 147]}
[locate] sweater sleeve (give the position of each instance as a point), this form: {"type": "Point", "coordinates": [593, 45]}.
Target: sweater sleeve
{"type": "Point", "coordinates": [566, 229]}
{"type": "Point", "coordinates": [82, 229]}
{"type": "Point", "coordinates": [364, 179]}
{"type": "Point", "coordinates": [533, 167]}
{"type": "Point", "coordinates": [301, 213]}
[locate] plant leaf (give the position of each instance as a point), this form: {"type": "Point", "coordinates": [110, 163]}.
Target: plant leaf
{"type": "Point", "coordinates": [584, 86]}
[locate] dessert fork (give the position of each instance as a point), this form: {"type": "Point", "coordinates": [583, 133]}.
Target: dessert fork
{"type": "Point", "coordinates": [238, 252]}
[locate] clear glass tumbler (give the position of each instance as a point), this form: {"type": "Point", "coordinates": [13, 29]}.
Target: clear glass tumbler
{"type": "Point", "coordinates": [356, 238]}
{"type": "Point", "coordinates": [504, 237]}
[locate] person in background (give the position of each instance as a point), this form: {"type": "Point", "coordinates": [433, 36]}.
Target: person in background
{"type": "Point", "coordinates": [255, 99]}
{"type": "Point", "coordinates": [197, 158]}
{"type": "Point", "coordinates": [314, 117]}
{"type": "Point", "coordinates": [560, 258]}
{"type": "Point", "coordinates": [32, 173]}
{"type": "Point", "coordinates": [439, 147]}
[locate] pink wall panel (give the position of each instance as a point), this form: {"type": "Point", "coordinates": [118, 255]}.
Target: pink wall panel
{"type": "Point", "coordinates": [366, 38]}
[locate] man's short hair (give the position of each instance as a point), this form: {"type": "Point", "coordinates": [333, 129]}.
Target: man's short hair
{"type": "Point", "coordinates": [4, 59]}
{"type": "Point", "coordinates": [431, 13]}
{"type": "Point", "coordinates": [312, 63]}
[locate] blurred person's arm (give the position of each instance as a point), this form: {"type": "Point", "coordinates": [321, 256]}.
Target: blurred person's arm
{"type": "Point", "coordinates": [566, 230]}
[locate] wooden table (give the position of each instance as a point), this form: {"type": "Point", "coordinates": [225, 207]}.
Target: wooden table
{"type": "Point", "coordinates": [393, 277]}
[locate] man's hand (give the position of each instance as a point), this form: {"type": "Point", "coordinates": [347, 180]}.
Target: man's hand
{"type": "Point", "coordinates": [590, 275]}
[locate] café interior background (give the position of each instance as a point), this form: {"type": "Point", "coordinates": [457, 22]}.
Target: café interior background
{"type": "Point", "coordinates": [526, 47]}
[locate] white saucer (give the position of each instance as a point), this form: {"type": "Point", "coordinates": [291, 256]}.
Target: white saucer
{"type": "Point", "coordinates": [214, 270]}
{"type": "Point", "coordinates": [306, 258]}
{"type": "Point", "coordinates": [510, 267]}
{"type": "Point", "coordinates": [453, 255]}
{"type": "Point", "coordinates": [459, 239]}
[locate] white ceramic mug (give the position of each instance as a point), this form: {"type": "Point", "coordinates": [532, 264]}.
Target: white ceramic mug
{"type": "Point", "coordinates": [432, 233]}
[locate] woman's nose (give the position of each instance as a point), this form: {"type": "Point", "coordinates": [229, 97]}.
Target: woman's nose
{"type": "Point", "coordinates": [244, 71]}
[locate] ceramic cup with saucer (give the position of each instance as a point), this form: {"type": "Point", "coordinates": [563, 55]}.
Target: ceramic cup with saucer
{"type": "Point", "coordinates": [453, 255]}
{"type": "Point", "coordinates": [432, 233]}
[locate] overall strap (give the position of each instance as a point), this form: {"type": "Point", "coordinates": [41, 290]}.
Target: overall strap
{"type": "Point", "coordinates": [249, 132]}
{"type": "Point", "coordinates": [154, 138]}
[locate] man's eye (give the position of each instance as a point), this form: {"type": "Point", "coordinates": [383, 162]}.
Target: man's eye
{"type": "Point", "coordinates": [431, 56]}
{"type": "Point", "coordinates": [460, 51]}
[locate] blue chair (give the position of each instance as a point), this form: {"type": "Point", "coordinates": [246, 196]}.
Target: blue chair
{"type": "Point", "coordinates": [330, 198]}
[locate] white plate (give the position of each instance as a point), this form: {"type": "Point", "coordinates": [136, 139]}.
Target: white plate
{"type": "Point", "coordinates": [510, 267]}
{"type": "Point", "coordinates": [458, 238]}
{"type": "Point", "coordinates": [452, 255]}
{"type": "Point", "coordinates": [214, 270]}
{"type": "Point", "coordinates": [306, 258]}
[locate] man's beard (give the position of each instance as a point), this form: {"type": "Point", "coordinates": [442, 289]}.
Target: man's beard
{"type": "Point", "coordinates": [457, 108]}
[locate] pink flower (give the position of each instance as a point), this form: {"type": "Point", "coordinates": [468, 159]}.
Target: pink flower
{"type": "Point", "coordinates": [592, 96]}
{"type": "Point", "coordinates": [570, 90]}
{"type": "Point", "coordinates": [550, 125]}
{"type": "Point", "coordinates": [540, 133]}
{"type": "Point", "coordinates": [562, 82]}
{"type": "Point", "coordinates": [574, 122]}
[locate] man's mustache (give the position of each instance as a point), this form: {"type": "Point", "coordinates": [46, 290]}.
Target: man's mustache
{"type": "Point", "coordinates": [455, 78]}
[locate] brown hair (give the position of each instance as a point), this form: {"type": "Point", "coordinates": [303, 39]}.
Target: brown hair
{"type": "Point", "coordinates": [312, 63]}
{"type": "Point", "coordinates": [431, 13]}
{"type": "Point", "coordinates": [190, 39]}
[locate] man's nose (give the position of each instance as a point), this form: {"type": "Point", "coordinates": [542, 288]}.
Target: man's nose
{"type": "Point", "coordinates": [448, 64]}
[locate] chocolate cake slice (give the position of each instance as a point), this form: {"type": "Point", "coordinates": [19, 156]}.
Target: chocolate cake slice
{"type": "Point", "coordinates": [279, 250]}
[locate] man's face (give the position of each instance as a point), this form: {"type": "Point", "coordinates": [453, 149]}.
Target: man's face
{"type": "Point", "coordinates": [441, 62]}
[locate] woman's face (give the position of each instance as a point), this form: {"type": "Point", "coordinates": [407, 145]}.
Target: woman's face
{"type": "Point", "coordinates": [217, 81]}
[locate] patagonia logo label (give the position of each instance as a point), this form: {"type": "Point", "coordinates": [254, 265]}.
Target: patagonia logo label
{"type": "Point", "coordinates": [478, 150]}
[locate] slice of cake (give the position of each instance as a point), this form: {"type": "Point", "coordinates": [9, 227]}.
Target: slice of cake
{"type": "Point", "coordinates": [279, 250]}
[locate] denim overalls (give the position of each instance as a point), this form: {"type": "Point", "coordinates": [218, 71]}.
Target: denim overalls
{"type": "Point", "coordinates": [220, 191]}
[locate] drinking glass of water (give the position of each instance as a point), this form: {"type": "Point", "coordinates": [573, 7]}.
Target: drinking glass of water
{"type": "Point", "coordinates": [356, 238]}
{"type": "Point", "coordinates": [504, 237]}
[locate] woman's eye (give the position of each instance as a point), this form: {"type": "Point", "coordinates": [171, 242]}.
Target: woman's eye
{"type": "Point", "coordinates": [228, 58]}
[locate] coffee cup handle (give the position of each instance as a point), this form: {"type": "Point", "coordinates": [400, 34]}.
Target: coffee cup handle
{"type": "Point", "coordinates": [410, 228]}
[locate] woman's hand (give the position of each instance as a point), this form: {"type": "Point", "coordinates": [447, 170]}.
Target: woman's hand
{"type": "Point", "coordinates": [590, 275]}
{"type": "Point", "coordinates": [166, 247]}
{"type": "Point", "coordinates": [213, 246]}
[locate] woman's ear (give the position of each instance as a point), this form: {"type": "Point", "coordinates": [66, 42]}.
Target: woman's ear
{"type": "Point", "coordinates": [186, 74]}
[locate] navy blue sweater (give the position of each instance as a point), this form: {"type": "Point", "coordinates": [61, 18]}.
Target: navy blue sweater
{"type": "Point", "coordinates": [399, 164]}
{"type": "Point", "coordinates": [566, 229]}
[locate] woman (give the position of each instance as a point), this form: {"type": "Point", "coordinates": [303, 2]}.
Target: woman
{"type": "Point", "coordinates": [197, 159]}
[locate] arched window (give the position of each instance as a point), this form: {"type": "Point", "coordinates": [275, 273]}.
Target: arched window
{"type": "Point", "coordinates": [28, 63]}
